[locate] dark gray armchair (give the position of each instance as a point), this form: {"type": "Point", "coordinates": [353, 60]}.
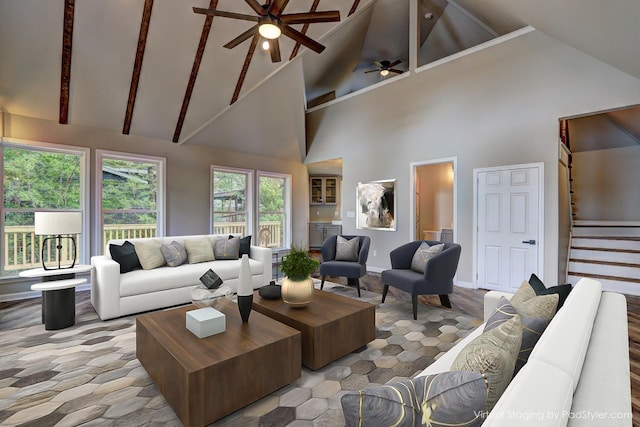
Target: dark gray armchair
{"type": "Point", "coordinates": [436, 280]}
{"type": "Point", "coordinates": [352, 270]}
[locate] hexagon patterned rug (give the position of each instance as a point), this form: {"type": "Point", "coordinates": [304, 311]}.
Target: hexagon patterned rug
{"type": "Point", "coordinates": [89, 375]}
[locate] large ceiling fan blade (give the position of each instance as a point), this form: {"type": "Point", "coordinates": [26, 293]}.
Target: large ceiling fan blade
{"type": "Point", "coordinates": [224, 14]}
{"type": "Point", "coordinates": [393, 70]}
{"type": "Point", "coordinates": [378, 63]}
{"type": "Point", "coordinates": [274, 49]}
{"type": "Point", "coordinates": [394, 63]}
{"type": "Point", "coordinates": [277, 6]}
{"type": "Point", "coordinates": [257, 7]}
{"type": "Point", "coordinates": [311, 17]}
{"type": "Point", "coordinates": [298, 37]}
{"type": "Point", "coordinates": [242, 37]}
{"type": "Point", "coordinates": [372, 71]}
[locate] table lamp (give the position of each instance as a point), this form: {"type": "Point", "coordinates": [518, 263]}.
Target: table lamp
{"type": "Point", "coordinates": [57, 224]}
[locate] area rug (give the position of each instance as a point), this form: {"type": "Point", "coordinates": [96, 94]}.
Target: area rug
{"type": "Point", "coordinates": [89, 375]}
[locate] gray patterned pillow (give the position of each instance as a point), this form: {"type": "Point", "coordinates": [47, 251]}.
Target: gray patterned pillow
{"type": "Point", "coordinates": [494, 355]}
{"type": "Point", "coordinates": [174, 254]}
{"type": "Point", "coordinates": [347, 250]}
{"type": "Point", "coordinates": [423, 254]}
{"type": "Point", "coordinates": [532, 329]}
{"type": "Point", "coordinates": [528, 304]}
{"type": "Point", "coordinates": [198, 250]}
{"type": "Point", "coordinates": [227, 248]}
{"type": "Point", "coordinates": [149, 254]}
{"type": "Point", "coordinates": [445, 399]}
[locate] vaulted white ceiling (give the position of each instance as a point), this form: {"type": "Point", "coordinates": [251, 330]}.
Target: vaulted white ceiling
{"type": "Point", "coordinates": [268, 118]}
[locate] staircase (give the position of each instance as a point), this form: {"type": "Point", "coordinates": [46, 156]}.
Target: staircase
{"type": "Point", "coordinates": [608, 251]}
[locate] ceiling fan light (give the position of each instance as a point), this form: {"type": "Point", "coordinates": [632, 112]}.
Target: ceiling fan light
{"type": "Point", "coordinates": [384, 73]}
{"type": "Point", "coordinates": [269, 30]}
{"type": "Point", "coordinates": [265, 45]}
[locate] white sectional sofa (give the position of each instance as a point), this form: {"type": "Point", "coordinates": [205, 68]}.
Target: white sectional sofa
{"type": "Point", "coordinates": [114, 294]}
{"type": "Point", "coordinates": [578, 373]}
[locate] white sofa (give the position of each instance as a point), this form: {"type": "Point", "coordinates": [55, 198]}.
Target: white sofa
{"type": "Point", "coordinates": [577, 374]}
{"type": "Point", "coordinates": [114, 294]}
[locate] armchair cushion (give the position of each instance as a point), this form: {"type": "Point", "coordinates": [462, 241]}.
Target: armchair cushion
{"type": "Point", "coordinates": [347, 249]}
{"type": "Point", "coordinates": [423, 254]}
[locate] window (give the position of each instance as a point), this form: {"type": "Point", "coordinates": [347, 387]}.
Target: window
{"type": "Point", "coordinates": [274, 208]}
{"type": "Point", "coordinates": [39, 177]}
{"type": "Point", "coordinates": [130, 196]}
{"type": "Point", "coordinates": [231, 203]}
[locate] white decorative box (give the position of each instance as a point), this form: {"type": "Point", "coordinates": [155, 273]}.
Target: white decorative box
{"type": "Point", "coordinates": [207, 321]}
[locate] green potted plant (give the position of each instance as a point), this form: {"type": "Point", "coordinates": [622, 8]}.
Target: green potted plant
{"type": "Point", "coordinates": [297, 286]}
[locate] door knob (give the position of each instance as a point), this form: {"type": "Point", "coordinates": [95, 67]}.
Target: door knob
{"type": "Point", "coordinates": [529, 242]}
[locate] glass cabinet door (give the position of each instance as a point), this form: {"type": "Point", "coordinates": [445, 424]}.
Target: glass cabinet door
{"type": "Point", "coordinates": [330, 191]}
{"type": "Point", "coordinates": [315, 191]}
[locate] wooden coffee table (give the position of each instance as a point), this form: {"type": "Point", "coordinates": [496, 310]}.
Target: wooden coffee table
{"type": "Point", "coordinates": [205, 379]}
{"type": "Point", "coordinates": [331, 325]}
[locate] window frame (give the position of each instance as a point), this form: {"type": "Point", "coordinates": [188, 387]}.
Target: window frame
{"type": "Point", "coordinates": [85, 176]}
{"type": "Point", "coordinates": [161, 164]}
{"type": "Point", "coordinates": [250, 196]}
{"type": "Point", "coordinates": [287, 204]}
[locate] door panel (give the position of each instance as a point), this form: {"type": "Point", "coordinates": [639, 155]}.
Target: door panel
{"type": "Point", "coordinates": [508, 227]}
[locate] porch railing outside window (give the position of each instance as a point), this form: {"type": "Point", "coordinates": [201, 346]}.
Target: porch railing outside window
{"type": "Point", "coordinates": [22, 247]}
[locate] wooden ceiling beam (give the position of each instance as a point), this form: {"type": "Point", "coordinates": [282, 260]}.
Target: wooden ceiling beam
{"type": "Point", "coordinates": [65, 75]}
{"type": "Point", "coordinates": [354, 6]}
{"type": "Point", "coordinates": [194, 72]}
{"type": "Point", "coordinates": [137, 66]}
{"type": "Point", "coordinates": [304, 29]}
{"type": "Point", "coordinates": [245, 68]}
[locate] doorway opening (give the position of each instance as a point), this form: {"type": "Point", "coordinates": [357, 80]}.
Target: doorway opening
{"type": "Point", "coordinates": [433, 204]}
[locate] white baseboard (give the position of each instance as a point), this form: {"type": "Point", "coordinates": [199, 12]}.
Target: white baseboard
{"type": "Point", "coordinates": [375, 269]}
{"type": "Point", "coordinates": [19, 296]}
{"type": "Point", "coordinates": [467, 285]}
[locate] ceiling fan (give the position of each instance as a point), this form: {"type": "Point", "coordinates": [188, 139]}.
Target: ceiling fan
{"type": "Point", "coordinates": [385, 67]}
{"type": "Point", "coordinates": [271, 22]}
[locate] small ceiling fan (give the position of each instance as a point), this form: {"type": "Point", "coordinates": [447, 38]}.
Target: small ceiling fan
{"type": "Point", "coordinates": [385, 67]}
{"type": "Point", "coordinates": [271, 22]}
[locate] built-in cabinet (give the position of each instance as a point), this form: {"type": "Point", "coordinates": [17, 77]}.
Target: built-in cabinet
{"type": "Point", "coordinates": [320, 231]}
{"type": "Point", "coordinates": [323, 190]}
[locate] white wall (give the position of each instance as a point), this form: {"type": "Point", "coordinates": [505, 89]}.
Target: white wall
{"type": "Point", "coordinates": [595, 173]}
{"type": "Point", "coordinates": [498, 106]}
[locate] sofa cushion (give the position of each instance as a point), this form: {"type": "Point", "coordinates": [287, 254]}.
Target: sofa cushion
{"type": "Point", "coordinates": [528, 304]}
{"type": "Point", "coordinates": [199, 250]}
{"type": "Point", "coordinates": [150, 254]}
{"type": "Point", "coordinates": [532, 329]}
{"type": "Point", "coordinates": [566, 340]}
{"type": "Point", "coordinates": [140, 282]}
{"type": "Point", "coordinates": [126, 256]}
{"type": "Point", "coordinates": [347, 249]}
{"type": "Point", "coordinates": [446, 399]}
{"type": "Point", "coordinates": [494, 355]}
{"type": "Point", "coordinates": [174, 254]}
{"type": "Point", "coordinates": [423, 254]}
{"type": "Point", "coordinates": [226, 249]}
{"type": "Point", "coordinates": [540, 289]}
{"type": "Point", "coordinates": [245, 246]}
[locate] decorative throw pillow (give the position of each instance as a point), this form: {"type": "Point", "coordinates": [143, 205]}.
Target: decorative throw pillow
{"type": "Point", "coordinates": [245, 245]}
{"type": "Point", "coordinates": [174, 254]}
{"type": "Point", "coordinates": [198, 250]}
{"type": "Point", "coordinates": [150, 254]}
{"type": "Point", "coordinates": [494, 355]}
{"type": "Point", "coordinates": [347, 250]}
{"type": "Point", "coordinates": [532, 329]}
{"type": "Point", "coordinates": [540, 289]}
{"type": "Point", "coordinates": [125, 255]}
{"type": "Point", "coordinates": [423, 254]}
{"type": "Point", "coordinates": [227, 249]}
{"type": "Point", "coordinates": [445, 399]}
{"type": "Point", "coordinates": [528, 304]}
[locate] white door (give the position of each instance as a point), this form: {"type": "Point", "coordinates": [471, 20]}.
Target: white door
{"type": "Point", "coordinates": [508, 226]}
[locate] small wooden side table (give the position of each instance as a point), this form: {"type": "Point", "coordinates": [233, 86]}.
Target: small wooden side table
{"type": "Point", "coordinates": [58, 294]}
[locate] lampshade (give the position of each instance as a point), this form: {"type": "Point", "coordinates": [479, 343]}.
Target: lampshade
{"type": "Point", "coordinates": [384, 73]}
{"type": "Point", "coordinates": [268, 29]}
{"type": "Point", "coordinates": [56, 223]}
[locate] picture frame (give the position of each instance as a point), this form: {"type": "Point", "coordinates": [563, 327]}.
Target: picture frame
{"type": "Point", "coordinates": [376, 202]}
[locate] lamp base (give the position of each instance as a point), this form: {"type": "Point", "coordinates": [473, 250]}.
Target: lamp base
{"type": "Point", "coordinates": [59, 253]}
